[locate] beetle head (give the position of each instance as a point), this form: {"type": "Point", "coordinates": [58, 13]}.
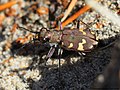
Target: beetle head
{"type": "Point", "coordinates": [44, 35]}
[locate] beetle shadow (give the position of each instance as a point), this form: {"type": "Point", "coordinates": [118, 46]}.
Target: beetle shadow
{"type": "Point", "coordinates": [77, 75]}
{"type": "Point", "coordinates": [37, 49]}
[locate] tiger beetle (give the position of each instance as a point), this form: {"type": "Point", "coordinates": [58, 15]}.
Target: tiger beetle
{"type": "Point", "coordinates": [68, 39]}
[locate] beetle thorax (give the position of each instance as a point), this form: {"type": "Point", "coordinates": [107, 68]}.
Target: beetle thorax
{"type": "Point", "coordinates": [53, 36]}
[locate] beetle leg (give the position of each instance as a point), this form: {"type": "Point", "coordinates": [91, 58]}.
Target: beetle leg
{"type": "Point", "coordinates": [50, 53]}
{"type": "Point", "coordinates": [82, 55]}
{"type": "Point", "coordinates": [60, 51]}
{"type": "Point", "coordinates": [91, 24]}
{"type": "Point", "coordinates": [78, 24]}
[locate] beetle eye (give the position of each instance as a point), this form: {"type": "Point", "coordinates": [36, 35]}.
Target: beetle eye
{"type": "Point", "coordinates": [46, 39]}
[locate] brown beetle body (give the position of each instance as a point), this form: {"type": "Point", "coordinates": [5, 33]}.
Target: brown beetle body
{"type": "Point", "coordinates": [75, 39]}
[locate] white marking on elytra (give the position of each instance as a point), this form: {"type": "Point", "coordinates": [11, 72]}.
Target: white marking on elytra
{"type": "Point", "coordinates": [80, 45]}
{"type": "Point", "coordinates": [71, 45]}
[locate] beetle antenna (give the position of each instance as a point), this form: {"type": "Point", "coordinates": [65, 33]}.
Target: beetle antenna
{"type": "Point", "coordinates": [27, 30]}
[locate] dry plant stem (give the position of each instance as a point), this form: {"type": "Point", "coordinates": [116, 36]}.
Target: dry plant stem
{"type": "Point", "coordinates": [7, 5]}
{"type": "Point", "coordinates": [65, 3]}
{"type": "Point", "coordinates": [76, 15]}
{"type": "Point", "coordinates": [72, 4]}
